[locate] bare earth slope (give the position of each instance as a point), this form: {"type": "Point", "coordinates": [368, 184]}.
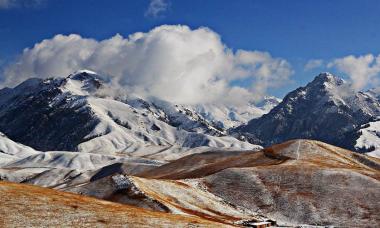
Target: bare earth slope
{"type": "Point", "coordinates": [32, 206]}
{"type": "Point", "coordinates": [297, 182]}
{"type": "Point", "coordinates": [295, 152]}
{"type": "Point", "coordinates": [187, 197]}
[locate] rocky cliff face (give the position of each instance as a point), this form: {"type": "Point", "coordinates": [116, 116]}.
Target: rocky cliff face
{"type": "Point", "coordinates": [39, 114]}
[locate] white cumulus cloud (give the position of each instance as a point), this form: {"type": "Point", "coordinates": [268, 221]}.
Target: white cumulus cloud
{"type": "Point", "coordinates": [265, 71]}
{"type": "Point", "coordinates": [172, 62]}
{"type": "Point", "coordinates": [313, 63]}
{"type": "Point", "coordinates": [363, 70]}
{"type": "Point", "coordinates": [157, 8]}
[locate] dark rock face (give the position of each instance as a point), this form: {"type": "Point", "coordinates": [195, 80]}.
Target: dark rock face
{"type": "Point", "coordinates": [33, 115]}
{"type": "Point", "coordinates": [322, 110]}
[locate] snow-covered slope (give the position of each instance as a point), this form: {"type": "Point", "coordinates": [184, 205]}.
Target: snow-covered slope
{"type": "Point", "coordinates": [228, 116]}
{"type": "Point", "coordinates": [10, 150]}
{"type": "Point", "coordinates": [57, 169]}
{"type": "Point", "coordinates": [369, 139]}
{"type": "Point", "coordinates": [77, 126]}
{"type": "Point", "coordinates": [124, 128]}
{"type": "Point", "coordinates": [78, 113]}
{"type": "Point", "coordinates": [72, 160]}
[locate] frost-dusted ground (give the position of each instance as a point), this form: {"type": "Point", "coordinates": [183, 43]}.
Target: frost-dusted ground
{"type": "Point", "coordinates": [297, 182]}
{"type": "Point", "coordinates": [32, 206]}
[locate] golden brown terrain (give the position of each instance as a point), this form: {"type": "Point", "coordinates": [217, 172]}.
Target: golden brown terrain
{"type": "Point", "coordinates": [31, 206]}
{"type": "Point", "coordinates": [294, 183]}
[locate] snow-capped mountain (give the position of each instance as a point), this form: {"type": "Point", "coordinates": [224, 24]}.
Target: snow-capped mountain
{"type": "Point", "coordinates": [326, 109]}
{"type": "Point", "coordinates": [229, 116]}
{"type": "Point", "coordinates": [76, 114]}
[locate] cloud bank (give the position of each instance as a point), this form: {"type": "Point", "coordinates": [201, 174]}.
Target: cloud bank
{"type": "Point", "coordinates": [363, 70]}
{"type": "Point", "coordinates": [157, 8]}
{"type": "Point", "coordinates": [174, 63]}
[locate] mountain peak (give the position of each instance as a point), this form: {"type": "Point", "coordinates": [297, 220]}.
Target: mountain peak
{"type": "Point", "coordinates": [83, 75]}
{"type": "Point", "coordinates": [326, 109]}
{"type": "Point", "coordinates": [328, 78]}
{"type": "Point", "coordinates": [326, 75]}
{"type": "Point", "coordinates": [84, 81]}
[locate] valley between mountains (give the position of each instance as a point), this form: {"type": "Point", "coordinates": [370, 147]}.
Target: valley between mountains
{"type": "Point", "coordinates": [90, 154]}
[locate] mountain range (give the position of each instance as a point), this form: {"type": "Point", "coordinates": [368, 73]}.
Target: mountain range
{"type": "Point", "coordinates": [77, 114]}
{"type": "Point", "coordinates": [233, 165]}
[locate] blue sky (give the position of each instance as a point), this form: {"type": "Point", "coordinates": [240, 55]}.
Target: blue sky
{"type": "Point", "coordinates": [297, 30]}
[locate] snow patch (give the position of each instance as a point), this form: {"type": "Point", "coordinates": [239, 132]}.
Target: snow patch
{"type": "Point", "coordinates": [370, 139]}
